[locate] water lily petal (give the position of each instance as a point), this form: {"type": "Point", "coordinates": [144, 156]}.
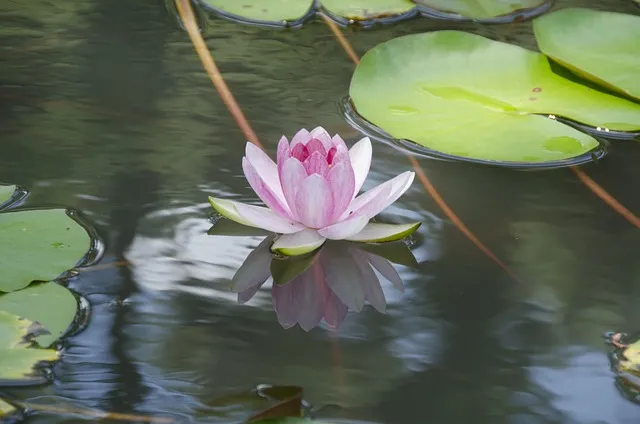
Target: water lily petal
{"type": "Point", "coordinates": [360, 155]}
{"type": "Point", "coordinates": [338, 142]}
{"type": "Point", "coordinates": [264, 192]}
{"type": "Point", "coordinates": [266, 219]}
{"type": "Point", "coordinates": [315, 145]}
{"type": "Point", "coordinates": [301, 136]}
{"type": "Point", "coordinates": [266, 169]}
{"type": "Point", "coordinates": [342, 184]}
{"type": "Point", "coordinates": [227, 209]}
{"type": "Point", "coordinates": [284, 153]}
{"type": "Point", "coordinates": [291, 177]}
{"type": "Point", "coordinates": [384, 267]}
{"type": "Point", "coordinates": [380, 233]}
{"type": "Point", "coordinates": [344, 229]}
{"type": "Point", "coordinates": [316, 164]}
{"type": "Point", "coordinates": [314, 202]}
{"type": "Point", "coordinates": [323, 136]}
{"type": "Point", "coordinates": [378, 198]}
{"type": "Point", "coordinates": [299, 243]}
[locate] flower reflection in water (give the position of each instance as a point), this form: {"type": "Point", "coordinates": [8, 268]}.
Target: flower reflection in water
{"type": "Point", "coordinates": [325, 284]}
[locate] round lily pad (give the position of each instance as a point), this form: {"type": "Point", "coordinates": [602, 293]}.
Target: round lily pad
{"type": "Point", "coordinates": [268, 12]}
{"type": "Point", "coordinates": [485, 10]}
{"type": "Point", "coordinates": [10, 195]}
{"type": "Point", "coordinates": [368, 10]}
{"type": "Point", "coordinates": [17, 357]}
{"type": "Point", "coordinates": [38, 245]}
{"type": "Point", "coordinates": [600, 46]}
{"type": "Point", "coordinates": [465, 96]}
{"type": "Point", "coordinates": [50, 304]}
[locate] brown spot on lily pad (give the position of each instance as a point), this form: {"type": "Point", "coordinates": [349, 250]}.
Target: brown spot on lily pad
{"type": "Point", "coordinates": [537, 89]}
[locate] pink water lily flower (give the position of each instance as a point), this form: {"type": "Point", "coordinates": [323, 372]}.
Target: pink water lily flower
{"type": "Point", "coordinates": [311, 193]}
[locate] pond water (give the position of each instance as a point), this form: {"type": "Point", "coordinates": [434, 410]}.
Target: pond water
{"type": "Point", "coordinates": [104, 107]}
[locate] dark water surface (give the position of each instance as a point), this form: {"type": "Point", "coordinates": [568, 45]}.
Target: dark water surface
{"type": "Point", "coordinates": [104, 107]}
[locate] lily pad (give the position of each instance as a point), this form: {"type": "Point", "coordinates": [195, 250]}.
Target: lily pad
{"type": "Point", "coordinates": [50, 304]}
{"type": "Point", "coordinates": [269, 12]}
{"type": "Point", "coordinates": [600, 46]}
{"type": "Point", "coordinates": [484, 9]}
{"type": "Point", "coordinates": [6, 192]}
{"type": "Point", "coordinates": [464, 96]}
{"type": "Point", "coordinates": [38, 245]}
{"type": "Point", "coordinates": [6, 408]}
{"type": "Point", "coordinates": [365, 10]}
{"type": "Point", "coordinates": [17, 358]}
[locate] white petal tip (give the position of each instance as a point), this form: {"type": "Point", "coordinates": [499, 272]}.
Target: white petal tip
{"type": "Point", "coordinates": [383, 233]}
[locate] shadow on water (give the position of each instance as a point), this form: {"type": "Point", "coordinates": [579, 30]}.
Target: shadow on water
{"type": "Point", "coordinates": [104, 107]}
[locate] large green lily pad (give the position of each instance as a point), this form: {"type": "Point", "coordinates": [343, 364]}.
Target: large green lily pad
{"type": "Point", "coordinates": [17, 358]}
{"type": "Point", "coordinates": [601, 46]}
{"type": "Point", "coordinates": [464, 95]}
{"type": "Point", "coordinates": [262, 11]}
{"type": "Point", "coordinates": [481, 9]}
{"type": "Point", "coordinates": [38, 245]}
{"type": "Point", "coordinates": [362, 10]}
{"type": "Point", "coordinates": [50, 304]}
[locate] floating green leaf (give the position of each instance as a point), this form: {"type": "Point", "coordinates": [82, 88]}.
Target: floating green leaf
{"type": "Point", "coordinates": [38, 245]}
{"type": "Point", "coordinates": [361, 10]}
{"type": "Point", "coordinates": [6, 191]}
{"type": "Point", "coordinates": [17, 358]}
{"type": "Point", "coordinates": [266, 11]}
{"type": "Point", "coordinates": [467, 96]}
{"type": "Point", "coordinates": [601, 46]}
{"type": "Point", "coordinates": [50, 304]}
{"type": "Point", "coordinates": [481, 9]}
{"type": "Point", "coordinates": [6, 408]}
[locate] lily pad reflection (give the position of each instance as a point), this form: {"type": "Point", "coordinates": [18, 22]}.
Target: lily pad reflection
{"type": "Point", "coordinates": [323, 285]}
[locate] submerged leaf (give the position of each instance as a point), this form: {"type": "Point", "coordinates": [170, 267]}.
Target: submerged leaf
{"type": "Point", "coordinates": [17, 358]}
{"type": "Point", "coordinates": [6, 408]}
{"type": "Point", "coordinates": [38, 245]}
{"type": "Point", "coordinates": [601, 46]}
{"type": "Point", "coordinates": [50, 304]}
{"type": "Point", "coordinates": [463, 95]}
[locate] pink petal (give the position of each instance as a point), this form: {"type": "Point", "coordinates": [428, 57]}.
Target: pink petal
{"type": "Point", "coordinates": [314, 202]}
{"type": "Point", "coordinates": [377, 199]}
{"type": "Point", "coordinates": [360, 155]}
{"type": "Point", "coordinates": [266, 169]}
{"type": "Point", "coordinates": [315, 145]}
{"type": "Point", "coordinates": [301, 136]}
{"type": "Point", "coordinates": [338, 142]}
{"type": "Point", "coordinates": [344, 229]}
{"type": "Point", "coordinates": [342, 183]}
{"type": "Point", "coordinates": [300, 152]}
{"type": "Point", "coordinates": [323, 136]}
{"type": "Point", "coordinates": [317, 164]}
{"type": "Point", "coordinates": [284, 153]}
{"type": "Point", "coordinates": [263, 191]}
{"type": "Point", "coordinates": [266, 219]}
{"type": "Point", "coordinates": [291, 177]}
